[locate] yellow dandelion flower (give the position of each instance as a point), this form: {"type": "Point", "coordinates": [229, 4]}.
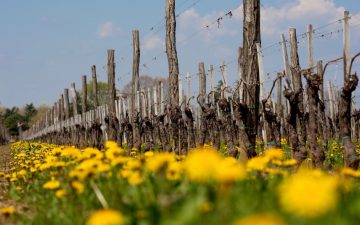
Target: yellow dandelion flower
{"type": "Point", "coordinates": [52, 184]}
{"type": "Point", "coordinates": [22, 173]}
{"type": "Point", "coordinates": [229, 170]}
{"type": "Point", "coordinates": [114, 153]}
{"type": "Point", "coordinates": [159, 161]}
{"type": "Point", "coordinates": [78, 186]}
{"type": "Point", "coordinates": [149, 154]}
{"type": "Point", "coordinates": [275, 171]}
{"type": "Point", "coordinates": [119, 160]}
{"type": "Point", "coordinates": [260, 219]}
{"type": "Point", "coordinates": [350, 172]}
{"type": "Point", "coordinates": [92, 153]}
{"type": "Point", "coordinates": [111, 144]}
{"type": "Point", "coordinates": [7, 211]}
{"type": "Point", "coordinates": [289, 162]}
{"type": "Point", "coordinates": [21, 155]}
{"type": "Point", "coordinates": [133, 164]}
{"type": "Point", "coordinates": [105, 217]}
{"type": "Point", "coordinates": [125, 173]}
{"type": "Point", "coordinates": [135, 178]}
{"type": "Point", "coordinates": [274, 153]}
{"type": "Point", "coordinates": [283, 141]}
{"type": "Point", "coordinates": [60, 193]}
{"type": "Point", "coordinates": [71, 152]}
{"type": "Point", "coordinates": [201, 165]}
{"type": "Point", "coordinates": [257, 163]}
{"type": "Point", "coordinates": [173, 171]}
{"type": "Point", "coordinates": [309, 193]}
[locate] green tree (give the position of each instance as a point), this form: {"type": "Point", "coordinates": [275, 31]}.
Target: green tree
{"type": "Point", "coordinates": [11, 123]}
{"type": "Point", "coordinates": [102, 89]}
{"type": "Point", "coordinates": [30, 112]}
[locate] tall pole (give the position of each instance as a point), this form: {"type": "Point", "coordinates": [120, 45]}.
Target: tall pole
{"type": "Point", "coordinates": [297, 84]}
{"type": "Point", "coordinates": [310, 45]}
{"type": "Point", "coordinates": [75, 100]}
{"type": "Point", "coordinates": [250, 71]}
{"type": "Point", "coordinates": [171, 52]}
{"type": "Point", "coordinates": [94, 81]}
{"type": "Point", "coordinates": [202, 83]}
{"type": "Point", "coordinates": [240, 66]}
{"type": "Point", "coordinates": [211, 72]}
{"type": "Point", "coordinates": [285, 56]}
{"type": "Point", "coordinates": [188, 90]}
{"type": "Point", "coordinates": [346, 45]}
{"type": "Point", "coordinates": [67, 107]}
{"type": "Point", "coordinates": [84, 95]}
{"type": "Point", "coordinates": [135, 71]}
{"type": "Point", "coordinates": [111, 94]}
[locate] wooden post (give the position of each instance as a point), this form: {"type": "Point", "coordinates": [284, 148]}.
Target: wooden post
{"type": "Point", "coordinates": [331, 101]}
{"type": "Point", "coordinates": [58, 109]}
{"type": "Point", "coordinates": [262, 90]}
{"type": "Point", "coordinates": [297, 84]}
{"type": "Point", "coordinates": [319, 68]}
{"type": "Point", "coordinates": [279, 106]}
{"type": "Point", "coordinates": [54, 113]}
{"type": "Point", "coordinates": [295, 66]}
{"type": "Point", "coordinates": [111, 94]}
{"type": "Point", "coordinates": [288, 75]}
{"type": "Point", "coordinates": [84, 95]}
{"type": "Point", "coordinates": [225, 85]}
{"type": "Point", "coordinates": [202, 83]}
{"type": "Point", "coordinates": [135, 73]}
{"type": "Point", "coordinates": [138, 102]}
{"type": "Point", "coordinates": [279, 95]}
{"type": "Point", "coordinates": [310, 45]}
{"type": "Point", "coordinates": [155, 100]}
{"type": "Point", "coordinates": [251, 36]}
{"type": "Point", "coordinates": [240, 69]}
{"type": "Point", "coordinates": [149, 102]}
{"type": "Point", "coordinates": [142, 96]}
{"type": "Point", "coordinates": [211, 73]}
{"type": "Point", "coordinates": [162, 106]}
{"type": "Point", "coordinates": [94, 81]}
{"type": "Point", "coordinates": [67, 105]}
{"type": "Point", "coordinates": [180, 90]}
{"type": "Point", "coordinates": [346, 45]}
{"type": "Point", "coordinates": [188, 90]}
{"type": "Point", "coordinates": [261, 71]}
{"type": "Point", "coordinates": [135, 95]}
{"type": "Point", "coordinates": [171, 52]}
{"type": "Point", "coordinates": [62, 111]}
{"type": "Point", "coordinates": [75, 101]}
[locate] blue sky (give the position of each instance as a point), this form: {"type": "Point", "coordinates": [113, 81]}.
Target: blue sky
{"type": "Point", "coordinates": [47, 45]}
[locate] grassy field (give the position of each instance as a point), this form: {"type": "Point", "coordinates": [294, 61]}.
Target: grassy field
{"type": "Point", "coordinates": [51, 184]}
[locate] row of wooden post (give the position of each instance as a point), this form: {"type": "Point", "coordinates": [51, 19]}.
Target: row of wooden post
{"type": "Point", "coordinates": [243, 107]}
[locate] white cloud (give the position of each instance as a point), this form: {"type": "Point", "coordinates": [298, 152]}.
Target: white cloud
{"type": "Point", "coordinates": [105, 30]}
{"type": "Point", "coordinates": [152, 42]}
{"type": "Point", "coordinates": [274, 20]}
{"type": "Point", "coordinates": [299, 13]}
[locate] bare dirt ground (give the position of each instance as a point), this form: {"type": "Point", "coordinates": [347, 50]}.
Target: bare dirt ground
{"type": "Point", "coordinates": [5, 158]}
